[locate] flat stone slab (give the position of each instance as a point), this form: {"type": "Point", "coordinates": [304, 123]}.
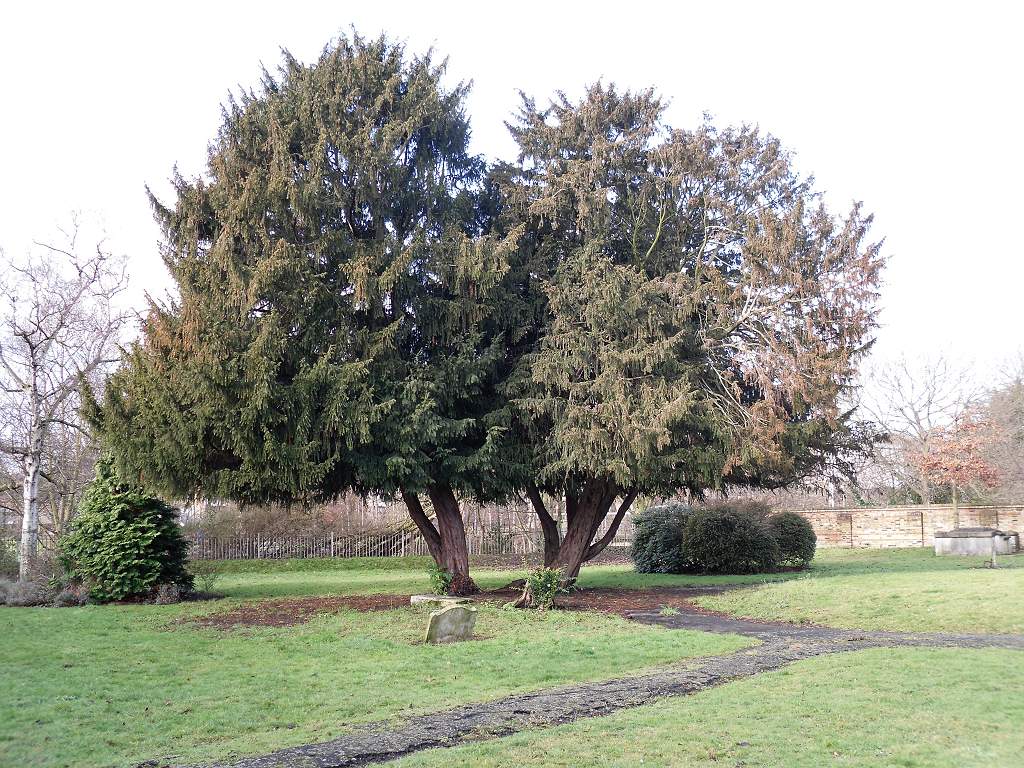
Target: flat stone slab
{"type": "Point", "coordinates": [976, 541]}
{"type": "Point", "coordinates": [451, 624]}
{"type": "Point", "coordinates": [969, 533]}
{"type": "Point", "coordinates": [438, 601]}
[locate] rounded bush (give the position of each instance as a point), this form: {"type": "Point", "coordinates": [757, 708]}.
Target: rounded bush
{"type": "Point", "coordinates": [723, 539]}
{"type": "Point", "coordinates": [795, 536]}
{"type": "Point", "coordinates": [124, 543]}
{"type": "Point", "coordinates": [658, 539]}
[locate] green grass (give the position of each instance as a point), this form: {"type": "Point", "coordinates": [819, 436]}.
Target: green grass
{"type": "Point", "coordinates": [318, 576]}
{"type": "Point", "coordinates": [913, 708]}
{"type": "Point", "coordinates": [910, 590]}
{"type": "Point", "coordinates": [114, 685]}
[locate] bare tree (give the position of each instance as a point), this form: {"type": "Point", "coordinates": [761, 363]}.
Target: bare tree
{"type": "Point", "coordinates": [58, 325]}
{"type": "Point", "coordinates": [1005, 409]}
{"type": "Point", "coordinates": [916, 401]}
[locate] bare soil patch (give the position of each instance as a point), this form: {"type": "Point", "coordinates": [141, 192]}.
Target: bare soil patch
{"type": "Point", "coordinates": [286, 613]}
{"type": "Point", "coordinates": [618, 601]}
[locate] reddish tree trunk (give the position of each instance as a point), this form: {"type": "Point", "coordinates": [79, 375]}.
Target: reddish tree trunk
{"type": "Point", "coordinates": [584, 514]}
{"type": "Point", "coordinates": [447, 541]}
{"type": "Point", "coordinates": [548, 526]}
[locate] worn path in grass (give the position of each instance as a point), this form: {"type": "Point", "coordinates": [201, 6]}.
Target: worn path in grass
{"type": "Point", "coordinates": [781, 644]}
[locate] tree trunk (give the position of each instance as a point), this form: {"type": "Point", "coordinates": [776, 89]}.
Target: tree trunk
{"type": "Point", "coordinates": [548, 526]}
{"type": "Point", "coordinates": [447, 541]}
{"type": "Point", "coordinates": [584, 513]}
{"type": "Point", "coordinates": [30, 519]}
{"type": "Point", "coordinates": [454, 552]}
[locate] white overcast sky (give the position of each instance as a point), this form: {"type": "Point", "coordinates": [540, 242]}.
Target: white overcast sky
{"type": "Point", "coordinates": [914, 108]}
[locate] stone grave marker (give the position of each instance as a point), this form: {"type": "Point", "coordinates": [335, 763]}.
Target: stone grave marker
{"type": "Point", "coordinates": [437, 601]}
{"type": "Point", "coordinates": [451, 624]}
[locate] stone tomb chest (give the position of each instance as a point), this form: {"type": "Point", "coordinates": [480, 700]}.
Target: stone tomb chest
{"type": "Point", "coordinates": [976, 541]}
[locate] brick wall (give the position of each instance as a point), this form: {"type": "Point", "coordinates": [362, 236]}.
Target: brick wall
{"type": "Point", "coordinates": [904, 526]}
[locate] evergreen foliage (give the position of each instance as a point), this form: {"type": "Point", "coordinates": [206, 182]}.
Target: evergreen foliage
{"type": "Point", "coordinates": [658, 539]}
{"type": "Point", "coordinates": [362, 305]}
{"type": "Point", "coordinates": [724, 539]}
{"type": "Point", "coordinates": [124, 543]}
{"type": "Point", "coordinates": [702, 310]}
{"type": "Point", "coordinates": [327, 332]}
{"type": "Point", "coordinates": [796, 537]}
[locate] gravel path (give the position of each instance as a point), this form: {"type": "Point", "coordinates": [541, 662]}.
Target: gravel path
{"type": "Point", "coordinates": [781, 644]}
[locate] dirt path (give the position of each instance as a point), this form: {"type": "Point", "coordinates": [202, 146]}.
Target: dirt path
{"type": "Point", "coordinates": [781, 644]}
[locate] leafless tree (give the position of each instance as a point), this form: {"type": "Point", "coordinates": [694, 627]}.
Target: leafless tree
{"type": "Point", "coordinates": [915, 401]}
{"type": "Point", "coordinates": [1005, 410]}
{"type": "Point", "coordinates": [58, 324]}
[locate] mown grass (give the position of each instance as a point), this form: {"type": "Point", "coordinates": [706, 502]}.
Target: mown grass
{"type": "Point", "coordinates": [915, 708]}
{"type": "Point", "coordinates": [115, 685]}
{"type": "Point", "coordinates": [909, 590]}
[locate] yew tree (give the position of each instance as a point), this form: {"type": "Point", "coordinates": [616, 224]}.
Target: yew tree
{"type": "Point", "coordinates": [332, 326]}
{"type": "Point", "coordinates": [701, 311]}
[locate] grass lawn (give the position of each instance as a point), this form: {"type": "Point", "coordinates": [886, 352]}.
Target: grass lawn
{"type": "Point", "coordinates": [114, 685]}
{"type": "Point", "coordinates": [907, 589]}
{"type": "Point", "coordinates": [323, 576]}
{"type": "Point", "coordinates": [919, 708]}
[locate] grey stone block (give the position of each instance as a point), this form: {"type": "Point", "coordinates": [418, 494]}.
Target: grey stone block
{"type": "Point", "coordinates": [451, 624]}
{"type": "Point", "coordinates": [437, 601]}
{"type": "Point", "coordinates": [981, 542]}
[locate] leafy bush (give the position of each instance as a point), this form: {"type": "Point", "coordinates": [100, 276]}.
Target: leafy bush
{"type": "Point", "coordinates": [71, 597]}
{"type": "Point", "coordinates": [206, 573]}
{"type": "Point", "coordinates": [124, 543]}
{"type": "Point", "coordinates": [544, 584]}
{"type": "Point", "coordinates": [723, 539]}
{"type": "Point", "coordinates": [440, 579]}
{"type": "Point", "coordinates": [796, 538]}
{"type": "Point", "coordinates": [658, 539]}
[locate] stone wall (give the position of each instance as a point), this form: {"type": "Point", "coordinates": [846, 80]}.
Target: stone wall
{"type": "Point", "coordinates": [904, 526]}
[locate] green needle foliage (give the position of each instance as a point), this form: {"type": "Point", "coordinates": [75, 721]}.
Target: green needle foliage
{"type": "Point", "coordinates": [703, 311]}
{"type": "Point", "coordinates": [629, 309]}
{"type": "Point", "coordinates": [124, 543]}
{"type": "Point", "coordinates": [335, 321]}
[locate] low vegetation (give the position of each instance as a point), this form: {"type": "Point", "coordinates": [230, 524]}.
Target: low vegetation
{"type": "Point", "coordinates": [908, 590]}
{"type": "Point", "coordinates": [125, 544]}
{"type": "Point", "coordinates": [872, 708]}
{"type": "Point", "coordinates": [725, 538]}
{"type": "Point", "coordinates": [208, 693]}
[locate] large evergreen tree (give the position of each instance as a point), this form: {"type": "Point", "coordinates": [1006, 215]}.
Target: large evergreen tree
{"type": "Point", "coordinates": [628, 310]}
{"type": "Point", "coordinates": [333, 327]}
{"type": "Point", "coordinates": [703, 311]}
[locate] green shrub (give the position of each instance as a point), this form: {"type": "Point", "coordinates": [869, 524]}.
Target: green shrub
{"type": "Point", "coordinates": [658, 539]}
{"type": "Point", "coordinates": [206, 573]}
{"type": "Point", "coordinates": [723, 539]}
{"type": "Point", "coordinates": [440, 579]}
{"type": "Point", "coordinates": [124, 543]}
{"type": "Point", "coordinates": [544, 584]}
{"type": "Point", "coordinates": [795, 536]}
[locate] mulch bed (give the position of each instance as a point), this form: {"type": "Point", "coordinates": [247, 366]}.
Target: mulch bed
{"type": "Point", "coordinates": [286, 613]}
{"type": "Point", "coordinates": [291, 611]}
{"type": "Point", "coordinates": [621, 602]}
